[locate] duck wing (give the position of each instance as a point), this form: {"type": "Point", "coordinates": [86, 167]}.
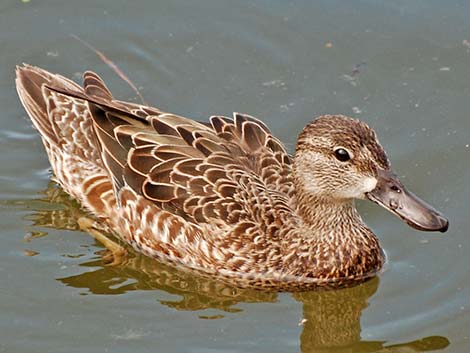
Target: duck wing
{"type": "Point", "coordinates": [205, 172]}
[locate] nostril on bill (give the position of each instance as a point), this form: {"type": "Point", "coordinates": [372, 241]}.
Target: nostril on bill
{"type": "Point", "coordinates": [393, 204]}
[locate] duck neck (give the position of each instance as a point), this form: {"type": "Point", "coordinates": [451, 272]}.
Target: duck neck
{"type": "Point", "coordinates": [325, 216]}
{"type": "Point", "coordinates": [326, 213]}
{"type": "Point", "coordinates": [329, 220]}
{"type": "Point", "coordinates": [333, 241]}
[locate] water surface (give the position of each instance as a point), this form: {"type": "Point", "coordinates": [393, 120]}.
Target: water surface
{"type": "Point", "coordinates": [400, 66]}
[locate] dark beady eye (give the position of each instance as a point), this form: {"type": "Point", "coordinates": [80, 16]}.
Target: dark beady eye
{"type": "Point", "coordinates": [342, 155]}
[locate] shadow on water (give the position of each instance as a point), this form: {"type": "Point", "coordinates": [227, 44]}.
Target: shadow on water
{"type": "Point", "coordinates": [331, 318]}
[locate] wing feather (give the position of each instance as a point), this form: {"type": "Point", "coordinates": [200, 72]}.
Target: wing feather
{"type": "Point", "coordinates": [204, 172]}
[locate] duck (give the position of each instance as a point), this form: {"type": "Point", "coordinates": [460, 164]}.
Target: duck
{"type": "Point", "coordinates": [222, 197]}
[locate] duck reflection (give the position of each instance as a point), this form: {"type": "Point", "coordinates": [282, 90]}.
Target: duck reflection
{"type": "Point", "coordinates": [332, 323]}
{"type": "Point", "coordinates": [331, 318]}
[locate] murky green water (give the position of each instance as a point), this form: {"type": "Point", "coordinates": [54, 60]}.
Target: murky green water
{"type": "Point", "coordinates": [402, 66]}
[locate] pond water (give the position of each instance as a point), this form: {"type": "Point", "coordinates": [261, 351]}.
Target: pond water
{"type": "Point", "coordinates": [401, 66]}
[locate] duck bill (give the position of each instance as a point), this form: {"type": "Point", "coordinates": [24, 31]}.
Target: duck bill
{"type": "Point", "coordinates": [392, 195]}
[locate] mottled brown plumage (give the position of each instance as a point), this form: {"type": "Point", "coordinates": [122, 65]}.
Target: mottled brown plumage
{"type": "Point", "coordinates": [222, 197]}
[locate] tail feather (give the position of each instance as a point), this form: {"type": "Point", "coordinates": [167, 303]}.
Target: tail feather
{"type": "Point", "coordinates": [65, 125]}
{"type": "Point", "coordinates": [29, 86]}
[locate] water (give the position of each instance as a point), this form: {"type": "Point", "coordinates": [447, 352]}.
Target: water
{"type": "Point", "coordinates": [401, 66]}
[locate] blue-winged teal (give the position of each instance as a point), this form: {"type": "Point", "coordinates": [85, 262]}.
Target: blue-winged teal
{"type": "Point", "coordinates": [222, 197]}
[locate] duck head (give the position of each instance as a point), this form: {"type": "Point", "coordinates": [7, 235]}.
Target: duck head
{"type": "Point", "coordinates": [338, 159]}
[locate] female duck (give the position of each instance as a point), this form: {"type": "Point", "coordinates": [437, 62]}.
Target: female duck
{"type": "Point", "coordinates": [222, 197]}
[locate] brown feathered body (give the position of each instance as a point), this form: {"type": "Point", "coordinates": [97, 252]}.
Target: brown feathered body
{"type": "Point", "coordinates": [222, 197]}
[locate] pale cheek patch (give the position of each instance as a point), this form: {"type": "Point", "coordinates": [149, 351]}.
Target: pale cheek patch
{"type": "Point", "coordinates": [369, 184]}
{"type": "Point", "coordinates": [360, 189]}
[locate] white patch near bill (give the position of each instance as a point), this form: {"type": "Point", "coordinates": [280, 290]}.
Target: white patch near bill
{"type": "Point", "coordinates": [359, 190]}
{"type": "Point", "coordinates": [368, 184]}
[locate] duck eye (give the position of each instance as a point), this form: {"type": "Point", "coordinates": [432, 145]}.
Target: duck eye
{"type": "Point", "coordinates": [342, 155]}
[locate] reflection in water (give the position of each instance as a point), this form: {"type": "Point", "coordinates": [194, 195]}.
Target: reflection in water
{"type": "Point", "coordinates": [332, 323]}
{"type": "Point", "coordinates": [141, 273]}
{"type": "Point", "coordinates": [331, 318]}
